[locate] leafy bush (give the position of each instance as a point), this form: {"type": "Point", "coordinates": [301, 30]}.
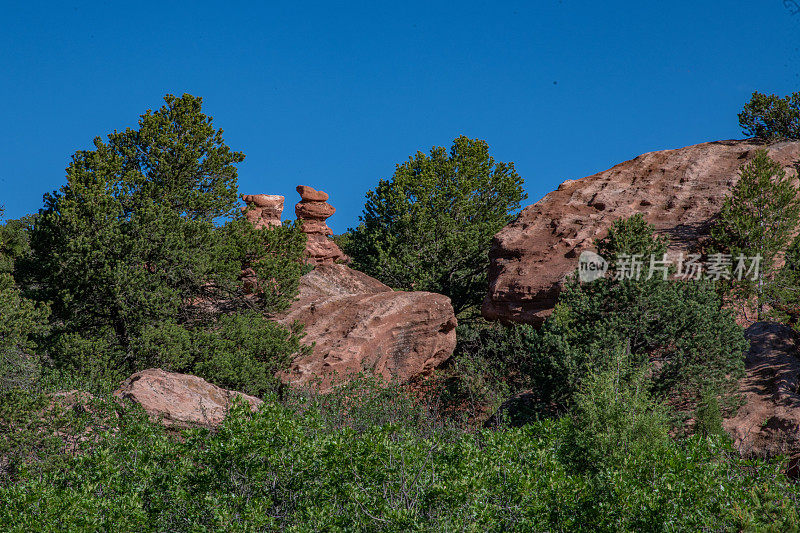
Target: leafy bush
{"type": "Point", "coordinates": [429, 227]}
{"type": "Point", "coordinates": [22, 321]}
{"type": "Point", "coordinates": [771, 117]}
{"type": "Point", "coordinates": [132, 254]}
{"type": "Point", "coordinates": [288, 469]}
{"type": "Point", "coordinates": [615, 418]}
{"type": "Point", "coordinates": [490, 363]}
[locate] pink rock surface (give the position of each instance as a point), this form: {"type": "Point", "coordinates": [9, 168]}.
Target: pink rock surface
{"type": "Point", "coordinates": [679, 191]}
{"type": "Point", "coordinates": [180, 399]}
{"type": "Point", "coordinates": [263, 210]}
{"type": "Point", "coordinates": [357, 324]}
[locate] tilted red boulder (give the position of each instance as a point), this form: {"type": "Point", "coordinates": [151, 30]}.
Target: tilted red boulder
{"type": "Point", "coordinates": [180, 399]}
{"type": "Point", "coordinates": [679, 191]}
{"type": "Point", "coordinates": [357, 324]}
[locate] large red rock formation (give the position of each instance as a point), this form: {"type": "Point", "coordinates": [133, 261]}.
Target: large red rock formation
{"type": "Point", "coordinates": [313, 210]}
{"type": "Point", "coordinates": [263, 210]}
{"type": "Point", "coordinates": [769, 421]}
{"type": "Point", "coordinates": [180, 399]}
{"type": "Point", "coordinates": [357, 324]}
{"type": "Point", "coordinates": [679, 191]}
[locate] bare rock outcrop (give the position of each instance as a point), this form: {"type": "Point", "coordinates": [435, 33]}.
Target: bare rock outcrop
{"type": "Point", "coordinates": [353, 322]}
{"type": "Point", "coordinates": [769, 421]}
{"type": "Point", "coordinates": [357, 324]}
{"type": "Point", "coordinates": [263, 210]}
{"type": "Point", "coordinates": [313, 210]}
{"type": "Point", "coordinates": [679, 191]}
{"type": "Point", "coordinates": [180, 399]}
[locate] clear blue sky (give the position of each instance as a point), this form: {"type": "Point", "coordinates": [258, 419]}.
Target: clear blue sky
{"type": "Point", "coordinates": [334, 95]}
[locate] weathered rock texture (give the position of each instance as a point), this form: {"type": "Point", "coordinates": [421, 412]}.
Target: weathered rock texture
{"type": "Point", "coordinates": [769, 421]}
{"type": "Point", "coordinates": [313, 210]}
{"type": "Point", "coordinates": [263, 210]}
{"type": "Point", "coordinates": [180, 399]}
{"type": "Point", "coordinates": [679, 191]}
{"type": "Point", "coordinates": [357, 324]}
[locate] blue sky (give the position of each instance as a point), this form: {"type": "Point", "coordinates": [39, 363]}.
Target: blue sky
{"type": "Point", "coordinates": [335, 95]}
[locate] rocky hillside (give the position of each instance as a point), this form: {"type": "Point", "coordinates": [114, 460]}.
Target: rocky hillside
{"type": "Point", "coordinates": [353, 322]}
{"type": "Point", "coordinates": [679, 191]}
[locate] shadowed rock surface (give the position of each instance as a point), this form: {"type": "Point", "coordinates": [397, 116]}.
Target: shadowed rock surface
{"type": "Point", "coordinates": [769, 421]}
{"type": "Point", "coordinates": [180, 399]}
{"type": "Point", "coordinates": [679, 191]}
{"type": "Point", "coordinates": [358, 324]}
{"type": "Point", "coordinates": [313, 210]}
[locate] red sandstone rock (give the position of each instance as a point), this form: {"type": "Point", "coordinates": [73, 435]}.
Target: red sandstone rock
{"type": "Point", "coordinates": [679, 191]}
{"type": "Point", "coordinates": [357, 324]}
{"type": "Point", "coordinates": [312, 211]}
{"type": "Point", "coordinates": [307, 193]}
{"type": "Point", "coordinates": [317, 211]}
{"type": "Point", "coordinates": [180, 399]}
{"type": "Point", "coordinates": [263, 210]}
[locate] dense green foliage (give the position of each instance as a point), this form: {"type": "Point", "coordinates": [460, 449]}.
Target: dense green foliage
{"type": "Point", "coordinates": [429, 227]}
{"type": "Point", "coordinates": [632, 236]}
{"type": "Point", "coordinates": [302, 469]}
{"type": "Point", "coordinates": [758, 218]}
{"type": "Point", "coordinates": [678, 330]}
{"type": "Point", "coordinates": [681, 326]}
{"type": "Point", "coordinates": [139, 272]}
{"type": "Point", "coordinates": [784, 294]}
{"type": "Point", "coordinates": [770, 117]}
{"type": "Point", "coordinates": [22, 321]}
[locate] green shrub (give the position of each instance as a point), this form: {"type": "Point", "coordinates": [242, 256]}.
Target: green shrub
{"type": "Point", "coordinates": [708, 415]}
{"type": "Point", "coordinates": [491, 362]}
{"type": "Point", "coordinates": [771, 117]}
{"type": "Point", "coordinates": [429, 227]}
{"type": "Point", "coordinates": [141, 254]}
{"type": "Point", "coordinates": [296, 470]}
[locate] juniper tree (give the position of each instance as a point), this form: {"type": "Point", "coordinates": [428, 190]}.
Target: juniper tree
{"type": "Point", "coordinates": [770, 117]}
{"type": "Point", "coordinates": [757, 220]}
{"type": "Point", "coordinates": [140, 252]}
{"type": "Point", "coordinates": [429, 227]}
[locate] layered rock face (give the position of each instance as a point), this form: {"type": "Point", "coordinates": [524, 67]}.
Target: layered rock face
{"type": "Point", "coordinates": [357, 324]}
{"type": "Point", "coordinates": [769, 421]}
{"type": "Point", "coordinates": [679, 191]}
{"type": "Point", "coordinates": [180, 399]}
{"type": "Point", "coordinates": [263, 210]}
{"type": "Point", "coordinates": [313, 210]}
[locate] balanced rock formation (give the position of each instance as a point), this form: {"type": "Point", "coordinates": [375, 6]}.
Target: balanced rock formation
{"type": "Point", "coordinates": [355, 323]}
{"type": "Point", "coordinates": [769, 421]}
{"type": "Point", "coordinates": [180, 400]}
{"type": "Point", "coordinates": [679, 191]}
{"type": "Point", "coordinates": [313, 210]}
{"type": "Point", "coordinates": [263, 210]}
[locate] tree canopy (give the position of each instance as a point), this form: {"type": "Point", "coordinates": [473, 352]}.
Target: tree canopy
{"type": "Point", "coordinates": [141, 251]}
{"type": "Point", "coordinates": [770, 117]}
{"type": "Point", "coordinates": [429, 227]}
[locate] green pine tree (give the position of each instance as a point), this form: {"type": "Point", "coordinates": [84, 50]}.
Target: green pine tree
{"type": "Point", "coordinates": [758, 220]}
{"type": "Point", "coordinates": [429, 227]}
{"type": "Point", "coordinates": [141, 252]}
